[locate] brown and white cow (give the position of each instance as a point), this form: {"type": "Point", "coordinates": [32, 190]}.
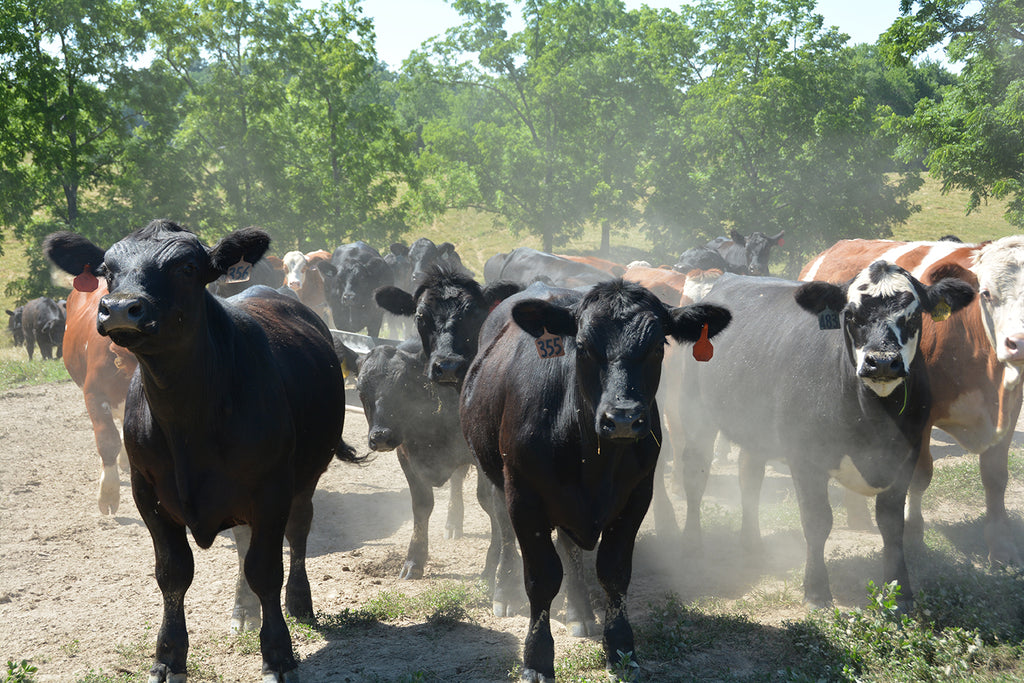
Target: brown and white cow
{"type": "Point", "coordinates": [302, 276]}
{"type": "Point", "coordinates": [103, 371]}
{"type": "Point", "coordinates": [974, 359]}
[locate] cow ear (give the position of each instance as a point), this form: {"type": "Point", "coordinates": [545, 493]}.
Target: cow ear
{"type": "Point", "coordinates": [496, 292]}
{"type": "Point", "coordinates": [952, 292]}
{"type": "Point", "coordinates": [350, 360]}
{"type": "Point", "coordinates": [537, 315]}
{"type": "Point", "coordinates": [814, 297]}
{"type": "Point", "coordinates": [688, 321]}
{"type": "Point", "coordinates": [944, 270]}
{"type": "Point", "coordinates": [326, 268]}
{"type": "Point", "coordinates": [737, 237]}
{"type": "Point", "coordinates": [71, 252]}
{"type": "Point", "coordinates": [395, 300]}
{"type": "Point", "coordinates": [446, 248]}
{"type": "Point", "coordinates": [399, 249]}
{"type": "Point", "coordinates": [248, 244]}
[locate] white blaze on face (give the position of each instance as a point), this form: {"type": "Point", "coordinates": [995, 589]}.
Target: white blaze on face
{"type": "Point", "coordinates": [889, 285]}
{"type": "Point", "coordinates": [294, 269]}
{"type": "Point", "coordinates": [1000, 270]}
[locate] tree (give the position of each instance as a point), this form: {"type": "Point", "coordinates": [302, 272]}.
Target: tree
{"type": "Point", "coordinates": [65, 67]}
{"type": "Point", "coordinates": [972, 138]}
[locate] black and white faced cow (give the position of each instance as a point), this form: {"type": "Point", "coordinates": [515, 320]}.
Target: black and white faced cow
{"type": "Point", "coordinates": [746, 255]}
{"type": "Point", "coordinates": [408, 413]}
{"type": "Point", "coordinates": [847, 403]}
{"type": "Point", "coordinates": [354, 272]}
{"type": "Point", "coordinates": [234, 412]}
{"type": "Point", "coordinates": [573, 437]}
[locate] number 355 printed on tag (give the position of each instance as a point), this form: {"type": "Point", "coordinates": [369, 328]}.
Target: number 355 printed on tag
{"type": "Point", "coordinates": [549, 345]}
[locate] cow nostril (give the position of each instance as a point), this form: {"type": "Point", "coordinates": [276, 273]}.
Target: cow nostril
{"type": "Point", "coordinates": [135, 310]}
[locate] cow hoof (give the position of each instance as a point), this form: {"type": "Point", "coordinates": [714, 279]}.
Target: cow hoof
{"type": "Point", "coordinates": [411, 571]}
{"type": "Point", "coordinates": [110, 490]}
{"type": "Point", "coordinates": [122, 461]}
{"type": "Point", "coordinates": [503, 609]}
{"type": "Point", "coordinates": [815, 604]}
{"type": "Point", "coordinates": [531, 676]}
{"type": "Point", "coordinates": [242, 621]}
{"type": "Point", "coordinates": [161, 674]}
{"type": "Point", "coordinates": [1002, 552]}
{"type": "Point", "coordinates": [451, 533]}
{"type": "Point", "coordinates": [581, 629]}
{"type": "Point", "coordinates": [287, 677]}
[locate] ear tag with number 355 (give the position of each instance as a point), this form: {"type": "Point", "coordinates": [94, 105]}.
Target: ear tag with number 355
{"type": "Point", "coordinates": [240, 272]}
{"type": "Point", "coordinates": [828, 320]}
{"type": "Point", "coordinates": [941, 311]}
{"type": "Point", "coordinates": [549, 345]}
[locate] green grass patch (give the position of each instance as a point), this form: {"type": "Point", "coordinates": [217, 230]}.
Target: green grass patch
{"type": "Point", "coordinates": [445, 604]}
{"type": "Point", "coordinates": [19, 373]}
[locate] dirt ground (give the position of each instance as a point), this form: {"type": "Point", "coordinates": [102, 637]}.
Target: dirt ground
{"type": "Point", "coordinates": [77, 590]}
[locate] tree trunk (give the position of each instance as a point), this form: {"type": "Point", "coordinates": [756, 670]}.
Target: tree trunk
{"type": "Point", "coordinates": [606, 239]}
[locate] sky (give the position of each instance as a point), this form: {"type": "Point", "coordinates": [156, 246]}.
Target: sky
{"type": "Point", "coordinates": [401, 25]}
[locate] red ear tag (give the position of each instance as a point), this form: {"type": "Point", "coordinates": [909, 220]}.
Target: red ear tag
{"type": "Point", "coordinates": [781, 242]}
{"type": "Point", "coordinates": [702, 348]}
{"type": "Point", "coordinates": [240, 272]}
{"type": "Point", "coordinates": [86, 281]}
{"type": "Point", "coordinates": [549, 345]}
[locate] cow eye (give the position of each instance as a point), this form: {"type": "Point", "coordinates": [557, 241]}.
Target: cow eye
{"type": "Point", "coordinates": [986, 295]}
{"type": "Point", "coordinates": [187, 269]}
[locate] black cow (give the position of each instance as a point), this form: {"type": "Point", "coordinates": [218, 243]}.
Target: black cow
{"type": "Point", "coordinates": [268, 271]}
{"type": "Point", "coordinates": [700, 258]}
{"type": "Point", "coordinates": [234, 412]}
{"type": "Point", "coordinates": [573, 439]}
{"type": "Point", "coordinates": [424, 256]}
{"type": "Point", "coordinates": [526, 266]}
{"type": "Point", "coordinates": [14, 325]}
{"type": "Point", "coordinates": [746, 255]}
{"type": "Point", "coordinates": [42, 323]}
{"type": "Point", "coordinates": [408, 413]}
{"type": "Point", "coordinates": [354, 272]}
{"type": "Point", "coordinates": [449, 309]}
{"type": "Point", "coordinates": [849, 403]}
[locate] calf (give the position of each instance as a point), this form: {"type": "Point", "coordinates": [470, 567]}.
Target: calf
{"type": "Point", "coordinates": [746, 255]}
{"type": "Point", "coordinates": [42, 322]}
{"type": "Point", "coordinates": [848, 403]}
{"type": "Point", "coordinates": [418, 418]}
{"type": "Point", "coordinates": [350, 278]}
{"type": "Point", "coordinates": [103, 371]}
{"type": "Point", "coordinates": [975, 361]}
{"type": "Point", "coordinates": [573, 439]}
{"type": "Point", "coordinates": [234, 412]}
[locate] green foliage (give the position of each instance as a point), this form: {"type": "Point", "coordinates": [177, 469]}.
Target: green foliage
{"type": "Point", "coordinates": [19, 672]}
{"type": "Point", "coordinates": [445, 604]}
{"type": "Point", "coordinates": [23, 372]}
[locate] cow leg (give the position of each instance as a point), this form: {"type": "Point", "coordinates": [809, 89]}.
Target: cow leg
{"type": "Point", "coordinates": [998, 534]}
{"type": "Point", "coordinates": [508, 580]}
{"type": "Point", "coordinates": [456, 506]}
{"type": "Point", "coordinates": [264, 570]}
{"type": "Point", "coordinates": [913, 530]}
{"type": "Point", "coordinates": [614, 570]}
{"type": "Point", "coordinates": [889, 514]}
{"type": "Point", "coordinates": [665, 525]}
{"type": "Point", "coordinates": [45, 351]}
{"type": "Point", "coordinates": [422, 505]}
{"type": "Point", "coordinates": [108, 443]}
{"type": "Point", "coordinates": [697, 455]}
{"type": "Point", "coordinates": [579, 619]}
{"type": "Point", "coordinates": [486, 495]}
{"type": "Point", "coordinates": [816, 518]}
{"type": "Point", "coordinates": [297, 597]}
{"type": "Point", "coordinates": [751, 471]}
{"type": "Point", "coordinates": [30, 344]}
{"type": "Point", "coordinates": [246, 615]}
{"type": "Point", "coordinates": [175, 567]}
{"type": "Point", "coordinates": [857, 516]}
{"type": "Point", "coordinates": [542, 573]}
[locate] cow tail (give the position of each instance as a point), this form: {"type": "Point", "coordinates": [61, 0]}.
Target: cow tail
{"type": "Point", "coordinates": [347, 453]}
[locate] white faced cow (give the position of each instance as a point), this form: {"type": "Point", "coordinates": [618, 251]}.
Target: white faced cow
{"type": "Point", "coordinates": [847, 403]}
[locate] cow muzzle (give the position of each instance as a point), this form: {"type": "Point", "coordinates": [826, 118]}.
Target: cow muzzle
{"type": "Point", "coordinates": [627, 423]}
{"type": "Point", "coordinates": [118, 314]}
{"type": "Point", "coordinates": [382, 439]}
{"type": "Point", "coordinates": [448, 370]}
{"type": "Point", "coordinates": [882, 371]}
{"type": "Point", "coordinates": [1013, 349]}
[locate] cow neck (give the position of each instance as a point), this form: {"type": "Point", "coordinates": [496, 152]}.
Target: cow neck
{"type": "Point", "coordinates": [173, 379]}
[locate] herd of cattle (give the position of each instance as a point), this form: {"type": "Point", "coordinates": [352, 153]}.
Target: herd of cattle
{"type": "Point", "coordinates": [555, 378]}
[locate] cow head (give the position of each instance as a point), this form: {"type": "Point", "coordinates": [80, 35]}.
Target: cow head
{"type": "Point", "coordinates": [156, 279]}
{"type": "Point", "coordinates": [424, 256]}
{"type": "Point", "coordinates": [401, 265]}
{"type": "Point", "coordinates": [449, 309]}
{"type": "Point", "coordinates": [294, 270]}
{"type": "Point", "coordinates": [999, 267]}
{"type": "Point", "coordinates": [349, 284]}
{"type": "Point", "coordinates": [14, 325]}
{"type": "Point", "coordinates": [392, 385]}
{"type": "Point", "coordinates": [758, 247]}
{"type": "Point", "coordinates": [880, 314]}
{"type": "Point", "coordinates": [617, 336]}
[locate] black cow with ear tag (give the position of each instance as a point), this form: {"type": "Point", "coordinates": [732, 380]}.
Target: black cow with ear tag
{"type": "Point", "coordinates": [234, 412]}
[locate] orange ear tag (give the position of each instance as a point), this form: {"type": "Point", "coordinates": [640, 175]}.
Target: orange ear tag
{"type": "Point", "coordinates": [702, 348]}
{"type": "Point", "coordinates": [86, 281]}
{"type": "Point", "coordinates": [240, 272]}
{"type": "Point", "coordinates": [549, 345]}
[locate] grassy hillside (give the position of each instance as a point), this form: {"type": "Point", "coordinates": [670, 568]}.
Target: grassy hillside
{"type": "Point", "coordinates": [477, 239]}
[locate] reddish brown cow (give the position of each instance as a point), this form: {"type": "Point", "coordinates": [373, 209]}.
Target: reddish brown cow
{"type": "Point", "coordinates": [102, 369]}
{"type": "Point", "coordinates": [302, 276]}
{"type": "Point", "coordinates": [607, 266]}
{"type": "Point", "coordinates": [974, 359]}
